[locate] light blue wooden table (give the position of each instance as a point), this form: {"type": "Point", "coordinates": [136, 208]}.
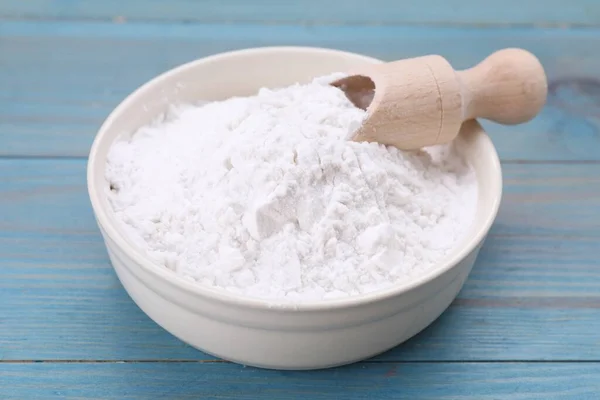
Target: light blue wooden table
{"type": "Point", "coordinates": [525, 326]}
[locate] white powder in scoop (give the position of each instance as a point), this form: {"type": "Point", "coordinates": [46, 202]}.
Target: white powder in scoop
{"type": "Point", "coordinates": [265, 196]}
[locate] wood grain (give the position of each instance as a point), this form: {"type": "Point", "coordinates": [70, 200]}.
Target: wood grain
{"type": "Point", "coordinates": [535, 12]}
{"type": "Point", "coordinates": [94, 65]}
{"type": "Point", "coordinates": [479, 381]}
{"type": "Point", "coordinates": [534, 285]}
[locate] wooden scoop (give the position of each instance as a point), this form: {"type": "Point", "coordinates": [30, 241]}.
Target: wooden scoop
{"type": "Point", "coordinates": [423, 101]}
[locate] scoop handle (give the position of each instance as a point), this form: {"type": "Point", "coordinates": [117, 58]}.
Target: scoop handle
{"type": "Point", "coordinates": [508, 87]}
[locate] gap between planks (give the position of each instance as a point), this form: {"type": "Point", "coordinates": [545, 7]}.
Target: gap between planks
{"type": "Point", "coordinates": [220, 361]}
{"type": "Point", "coordinates": [118, 20]}
{"type": "Point", "coordinates": [507, 161]}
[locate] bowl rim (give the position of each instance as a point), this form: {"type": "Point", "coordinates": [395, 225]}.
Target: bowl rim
{"type": "Point", "coordinates": [233, 299]}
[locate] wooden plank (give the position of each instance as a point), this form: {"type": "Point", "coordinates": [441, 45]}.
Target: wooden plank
{"type": "Point", "coordinates": [50, 196]}
{"type": "Point", "coordinates": [60, 299]}
{"type": "Point", "coordinates": [476, 381]}
{"type": "Point", "coordinates": [530, 297]}
{"type": "Point", "coordinates": [538, 12]}
{"type": "Point", "coordinates": [95, 65]}
{"type": "Point", "coordinates": [549, 199]}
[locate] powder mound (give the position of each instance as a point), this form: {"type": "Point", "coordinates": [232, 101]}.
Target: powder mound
{"type": "Point", "coordinates": [264, 196]}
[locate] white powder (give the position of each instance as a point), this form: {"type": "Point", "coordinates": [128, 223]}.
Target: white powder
{"type": "Point", "coordinates": [265, 196]}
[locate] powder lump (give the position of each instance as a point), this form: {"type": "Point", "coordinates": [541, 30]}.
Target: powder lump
{"type": "Point", "coordinates": [264, 196]}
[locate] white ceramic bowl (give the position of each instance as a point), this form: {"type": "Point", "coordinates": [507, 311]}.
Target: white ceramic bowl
{"type": "Point", "coordinates": [254, 332]}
